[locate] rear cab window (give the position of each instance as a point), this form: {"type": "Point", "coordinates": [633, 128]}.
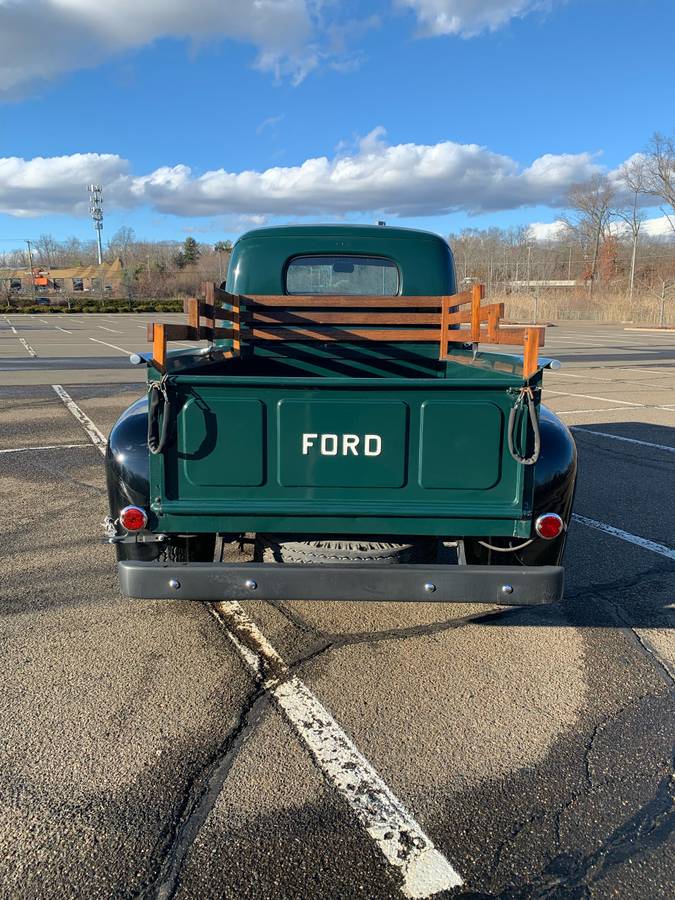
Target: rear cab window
{"type": "Point", "coordinates": [343, 274]}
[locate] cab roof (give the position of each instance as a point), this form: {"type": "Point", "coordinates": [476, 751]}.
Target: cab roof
{"type": "Point", "coordinates": [391, 232]}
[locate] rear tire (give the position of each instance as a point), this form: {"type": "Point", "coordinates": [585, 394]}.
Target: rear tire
{"type": "Point", "coordinates": [197, 548]}
{"type": "Point", "coordinates": [276, 548]}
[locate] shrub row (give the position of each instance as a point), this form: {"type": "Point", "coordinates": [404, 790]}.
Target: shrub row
{"type": "Point", "coordinates": [159, 306]}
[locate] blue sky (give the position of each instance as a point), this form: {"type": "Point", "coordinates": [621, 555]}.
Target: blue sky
{"type": "Point", "coordinates": [424, 112]}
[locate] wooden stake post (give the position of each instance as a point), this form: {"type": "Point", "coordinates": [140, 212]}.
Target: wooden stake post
{"type": "Point", "coordinates": [339, 318]}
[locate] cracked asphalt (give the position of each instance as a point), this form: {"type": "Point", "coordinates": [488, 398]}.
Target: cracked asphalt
{"type": "Point", "coordinates": [141, 758]}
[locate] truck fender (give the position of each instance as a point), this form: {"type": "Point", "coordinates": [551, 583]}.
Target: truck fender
{"type": "Point", "coordinates": [127, 462]}
{"type": "Point", "coordinates": [128, 480]}
{"type": "Point", "coordinates": [555, 475]}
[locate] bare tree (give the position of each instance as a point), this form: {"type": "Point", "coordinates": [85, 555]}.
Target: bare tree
{"type": "Point", "coordinates": [47, 250]}
{"type": "Point", "coordinates": [120, 243]}
{"type": "Point", "coordinates": [591, 203]}
{"type": "Point", "coordinates": [661, 287]}
{"type": "Point", "coordinates": [634, 175]}
{"type": "Point", "coordinates": [661, 173]}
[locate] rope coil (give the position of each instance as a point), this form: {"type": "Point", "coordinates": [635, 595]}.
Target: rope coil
{"type": "Point", "coordinates": [526, 396]}
{"type": "Point", "coordinates": [158, 401]}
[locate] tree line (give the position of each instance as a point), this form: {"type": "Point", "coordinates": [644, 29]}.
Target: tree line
{"type": "Point", "coordinates": [152, 269]}
{"type": "Point", "coordinates": [601, 243]}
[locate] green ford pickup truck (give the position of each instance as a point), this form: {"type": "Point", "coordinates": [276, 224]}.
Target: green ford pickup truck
{"type": "Point", "coordinates": [345, 420]}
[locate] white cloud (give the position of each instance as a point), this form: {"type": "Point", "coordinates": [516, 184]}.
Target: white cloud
{"type": "Point", "coordinates": [467, 18]}
{"type": "Point", "coordinates": [403, 180]}
{"type": "Point", "coordinates": [662, 226]}
{"type": "Point", "coordinates": [56, 184]}
{"type": "Point", "coordinates": [551, 231]}
{"type": "Point", "coordinates": [41, 39]}
{"type": "Point", "coordinates": [546, 231]}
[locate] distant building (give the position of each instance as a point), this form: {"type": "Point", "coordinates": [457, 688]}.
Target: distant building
{"type": "Point", "coordinates": [550, 283]}
{"type": "Point", "coordinates": [76, 279]}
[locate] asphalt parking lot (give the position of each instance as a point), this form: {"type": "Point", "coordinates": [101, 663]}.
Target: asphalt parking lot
{"type": "Point", "coordinates": [148, 752]}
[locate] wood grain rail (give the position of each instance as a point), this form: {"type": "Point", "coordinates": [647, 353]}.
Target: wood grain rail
{"type": "Point", "coordinates": [445, 320]}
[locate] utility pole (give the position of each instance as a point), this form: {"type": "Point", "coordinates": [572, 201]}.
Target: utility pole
{"type": "Point", "coordinates": [30, 265]}
{"type": "Point", "coordinates": [529, 254]}
{"type": "Point", "coordinates": [96, 212]}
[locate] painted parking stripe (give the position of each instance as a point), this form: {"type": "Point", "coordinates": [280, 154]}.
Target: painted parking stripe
{"type": "Point", "coordinates": [95, 436]}
{"type": "Point", "coordinates": [14, 331]}
{"type": "Point", "coordinates": [646, 544]}
{"type": "Point", "coordinates": [606, 380]}
{"type": "Point", "coordinates": [45, 447]}
{"type": "Point", "coordinates": [593, 397]}
{"type": "Point", "coordinates": [108, 329]}
{"type": "Point", "coordinates": [423, 869]}
{"type": "Point", "coordinates": [28, 347]}
{"type": "Point", "coordinates": [618, 437]}
{"type": "Point", "coordinates": [575, 412]}
{"type": "Point", "coordinates": [114, 346]}
{"type": "Point", "coordinates": [654, 370]}
{"type": "Point", "coordinates": [63, 329]}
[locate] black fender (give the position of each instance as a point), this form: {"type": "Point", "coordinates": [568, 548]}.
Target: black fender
{"type": "Point", "coordinates": [127, 470]}
{"type": "Point", "coordinates": [555, 476]}
{"type": "Point", "coordinates": [127, 461]}
{"type": "Point", "coordinates": [127, 464]}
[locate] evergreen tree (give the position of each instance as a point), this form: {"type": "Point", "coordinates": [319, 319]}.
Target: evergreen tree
{"type": "Point", "coordinates": [191, 252]}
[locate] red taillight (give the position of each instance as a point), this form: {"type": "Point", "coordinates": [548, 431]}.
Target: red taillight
{"type": "Point", "coordinates": [549, 526]}
{"type": "Point", "coordinates": [133, 518]}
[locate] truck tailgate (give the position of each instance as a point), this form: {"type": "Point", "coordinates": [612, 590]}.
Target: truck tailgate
{"type": "Point", "coordinates": [384, 456]}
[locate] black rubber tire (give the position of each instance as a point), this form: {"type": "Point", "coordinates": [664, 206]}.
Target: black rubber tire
{"type": "Point", "coordinates": [198, 548]}
{"type": "Point", "coordinates": [276, 548]}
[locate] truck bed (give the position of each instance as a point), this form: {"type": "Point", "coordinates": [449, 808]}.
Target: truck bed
{"type": "Point", "coordinates": [302, 446]}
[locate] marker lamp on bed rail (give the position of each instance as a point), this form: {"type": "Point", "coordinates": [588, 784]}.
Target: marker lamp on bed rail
{"type": "Point", "coordinates": [133, 518]}
{"type": "Point", "coordinates": [549, 526]}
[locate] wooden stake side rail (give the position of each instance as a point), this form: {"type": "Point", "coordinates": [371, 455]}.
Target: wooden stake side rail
{"type": "Point", "coordinates": [291, 318]}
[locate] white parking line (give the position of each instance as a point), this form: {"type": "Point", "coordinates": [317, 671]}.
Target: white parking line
{"type": "Point", "coordinates": [63, 329]}
{"type": "Point", "coordinates": [14, 331]}
{"type": "Point", "coordinates": [645, 543]}
{"type": "Point", "coordinates": [654, 370]}
{"type": "Point", "coordinates": [587, 343]}
{"type": "Point", "coordinates": [114, 346]}
{"type": "Point", "coordinates": [403, 843]}
{"type": "Point", "coordinates": [618, 437]}
{"type": "Point", "coordinates": [95, 436]}
{"type": "Point", "coordinates": [424, 870]}
{"type": "Point", "coordinates": [574, 412]}
{"type": "Point", "coordinates": [557, 374]}
{"type": "Point", "coordinates": [592, 397]}
{"type": "Point", "coordinates": [606, 380]}
{"type": "Point", "coordinates": [46, 447]}
{"type": "Point", "coordinates": [28, 347]}
{"type": "Point", "coordinates": [108, 329]}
